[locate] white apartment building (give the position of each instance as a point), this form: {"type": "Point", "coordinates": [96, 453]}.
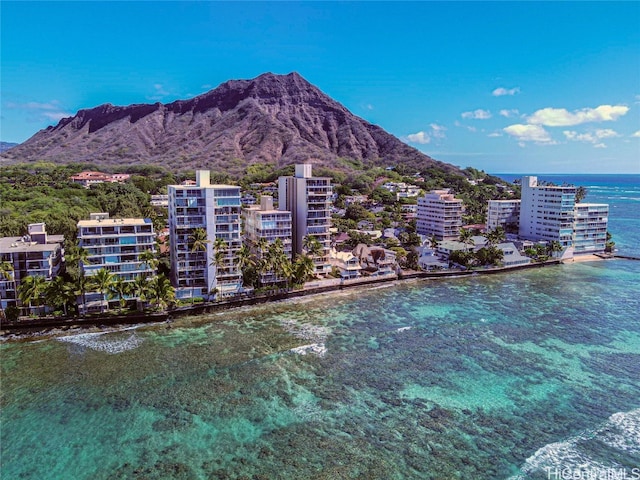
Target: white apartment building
{"type": "Point", "coordinates": [216, 209]}
{"type": "Point", "coordinates": [116, 245]}
{"type": "Point", "coordinates": [308, 199]}
{"type": "Point", "coordinates": [547, 212]}
{"type": "Point", "coordinates": [264, 223]}
{"type": "Point", "coordinates": [590, 228]}
{"type": "Point", "coordinates": [439, 214]}
{"type": "Point", "coordinates": [503, 213]}
{"type": "Point", "coordinates": [36, 253]}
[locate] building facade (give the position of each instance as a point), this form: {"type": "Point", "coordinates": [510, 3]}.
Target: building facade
{"type": "Point", "coordinates": [34, 254]}
{"type": "Point", "coordinates": [216, 209]}
{"type": "Point", "coordinates": [590, 228]}
{"type": "Point", "coordinates": [547, 212]}
{"type": "Point", "coordinates": [264, 225]}
{"type": "Point", "coordinates": [308, 198]}
{"type": "Point", "coordinates": [439, 214]}
{"type": "Point", "coordinates": [503, 213]}
{"type": "Point", "coordinates": [115, 244]}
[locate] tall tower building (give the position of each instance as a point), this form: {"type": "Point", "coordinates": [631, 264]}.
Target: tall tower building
{"type": "Point", "coordinates": [308, 199]}
{"type": "Point", "coordinates": [439, 214]}
{"type": "Point", "coordinates": [215, 209]}
{"type": "Point", "coordinates": [547, 212]}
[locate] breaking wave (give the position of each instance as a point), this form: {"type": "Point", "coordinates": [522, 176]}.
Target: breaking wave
{"type": "Point", "coordinates": [578, 454]}
{"type": "Point", "coordinates": [102, 342]}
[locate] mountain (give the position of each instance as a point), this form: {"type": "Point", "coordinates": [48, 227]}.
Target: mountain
{"type": "Point", "coordinates": [4, 146]}
{"type": "Point", "coordinates": [272, 119]}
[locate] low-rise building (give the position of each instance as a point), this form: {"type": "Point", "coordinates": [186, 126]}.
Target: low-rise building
{"type": "Point", "coordinates": [88, 178]}
{"type": "Point", "coordinates": [346, 262]}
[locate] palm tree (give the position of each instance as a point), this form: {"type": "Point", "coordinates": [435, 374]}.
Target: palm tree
{"type": "Point", "coordinates": [495, 236]}
{"type": "Point", "coordinates": [79, 257]}
{"type": "Point", "coordinates": [140, 287]}
{"type": "Point", "coordinates": [120, 289]}
{"type": "Point", "coordinates": [60, 293]}
{"type": "Point", "coordinates": [312, 245]}
{"type": "Point", "coordinates": [161, 291]}
{"type": "Point", "coordinates": [554, 247]}
{"type": "Point", "coordinates": [244, 258]}
{"type": "Point", "coordinates": [102, 281]}
{"type": "Point", "coordinates": [303, 268]}
{"type": "Point", "coordinates": [198, 243]}
{"type": "Point", "coordinates": [32, 288]}
{"type": "Point", "coordinates": [6, 272]}
{"type": "Point", "coordinates": [466, 238]}
{"type": "Point", "coordinates": [433, 242]}
{"type": "Point", "coordinates": [150, 258]}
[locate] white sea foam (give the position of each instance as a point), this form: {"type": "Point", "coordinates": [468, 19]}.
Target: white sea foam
{"type": "Point", "coordinates": [306, 331]}
{"type": "Point", "coordinates": [403, 329]}
{"type": "Point", "coordinates": [621, 431]}
{"type": "Point", "coordinates": [315, 348]}
{"type": "Point", "coordinates": [99, 342]}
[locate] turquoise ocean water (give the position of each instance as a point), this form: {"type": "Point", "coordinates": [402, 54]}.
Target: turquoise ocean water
{"type": "Point", "coordinates": [502, 377]}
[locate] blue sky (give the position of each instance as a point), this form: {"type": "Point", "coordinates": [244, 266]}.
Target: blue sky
{"type": "Point", "coordinates": [505, 87]}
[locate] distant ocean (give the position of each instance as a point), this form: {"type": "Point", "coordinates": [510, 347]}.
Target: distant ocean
{"type": "Point", "coordinates": [524, 375]}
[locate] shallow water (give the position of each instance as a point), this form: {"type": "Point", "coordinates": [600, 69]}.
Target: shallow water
{"type": "Point", "coordinates": [471, 378]}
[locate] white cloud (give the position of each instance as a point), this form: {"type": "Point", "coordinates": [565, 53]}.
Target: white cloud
{"type": "Point", "coordinates": [529, 133]}
{"type": "Point", "coordinates": [636, 134]}
{"type": "Point", "coordinates": [435, 132]}
{"type": "Point", "coordinates": [499, 92]}
{"type": "Point", "coordinates": [509, 113]}
{"type": "Point", "coordinates": [561, 117]}
{"type": "Point", "coordinates": [39, 111]}
{"type": "Point", "coordinates": [419, 137]}
{"type": "Point", "coordinates": [594, 137]}
{"type": "Point", "coordinates": [494, 134]}
{"type": "Point", "coordinates": [478, 114]}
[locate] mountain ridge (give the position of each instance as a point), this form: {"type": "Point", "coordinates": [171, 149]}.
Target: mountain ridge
{"type": "Point", "coordinates": [271, 119]}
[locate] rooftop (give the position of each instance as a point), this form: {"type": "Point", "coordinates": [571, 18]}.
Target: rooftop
{"type": "Point", "coordinates": [23, 244]}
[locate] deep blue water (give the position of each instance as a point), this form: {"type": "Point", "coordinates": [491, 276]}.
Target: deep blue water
{"type": "Point", "coordinates": [517, 375]}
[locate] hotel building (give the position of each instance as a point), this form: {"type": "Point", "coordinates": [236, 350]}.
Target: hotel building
{"type": "Point", "coordinates": [116, 245]}
{"type": "Point", "coordinates": [216, 209]}
{"type": "Point", "coordinates": [503, 213]}
{"type": "Point", "coordinates": [264, 224]}
{"type": "Point", "coordinates": [439, 214]}
{"type": "Point", "coordinates": [308, 199]}
{"type": "Point", "coordinates": [36, 253]}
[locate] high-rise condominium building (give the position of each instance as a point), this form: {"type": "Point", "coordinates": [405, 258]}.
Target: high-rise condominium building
{"type": "Point", "coordinates": [547, 212]}
{"type": "Point", "coordinates": [308, 199]}
{"type": "Point", "coordinates": [439, 214]}
{"type": "Point", "coordinates": [264, 225]}
{"type": "Point", "coordinates": [34, 254]}
{"type": "Point", "coordinates": [503, 213]}
{"type": "Point", "coordinates": [214, 209]}
{"type": "Point", "coordinates": [115, 244]}
{"type": "Point", "coordinates": [590, 228]}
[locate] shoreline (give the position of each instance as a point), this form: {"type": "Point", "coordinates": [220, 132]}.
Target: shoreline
{"type": "Point", "coordinates": [44, 328]}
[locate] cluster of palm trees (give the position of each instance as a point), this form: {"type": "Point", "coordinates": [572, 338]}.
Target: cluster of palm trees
{"type": "Point", "coordinates": [63, 291]}
{"type": "Point", "coordinates": [267, 263]}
